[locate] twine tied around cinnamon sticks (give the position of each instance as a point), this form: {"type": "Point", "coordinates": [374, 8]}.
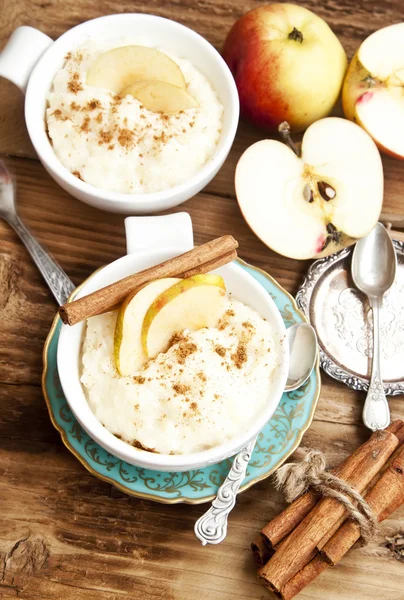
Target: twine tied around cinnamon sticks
{"type": "Point", "coordinates": [296, 478]}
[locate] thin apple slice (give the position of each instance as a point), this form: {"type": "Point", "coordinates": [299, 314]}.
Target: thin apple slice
{"type": "Point", "coordinates": [192, 303]}
{"type": "Point", "coordinates": [160, 96]}
{"type": "Point", "coordinates": [118, 68]}
{"type": "Point", "coordinates": [310, 206]}
{"type": "Point", "coordinates": [128, 349]}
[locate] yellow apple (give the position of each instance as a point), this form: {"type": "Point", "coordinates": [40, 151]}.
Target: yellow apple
{"type": "Point", "coordinates": [118, 68]}
{"type": "Point", "coordinates": [373, 89]}
{"type": "Point", "coordinates": [192, 303]}
{"type": "Point", "coordinates": [288, 65]}
{"type": "Point", "coordinates": [128, 349]}
{"type": "Point", "coordinates": [160, 96]}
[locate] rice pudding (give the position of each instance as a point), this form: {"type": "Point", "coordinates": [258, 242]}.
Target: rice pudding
{"type": "Point", "coordinates": [112, 141]}
{"type": "Point", "coordinates": [209, 386]}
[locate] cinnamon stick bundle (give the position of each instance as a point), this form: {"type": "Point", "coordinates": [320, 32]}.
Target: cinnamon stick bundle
{"type": "Point", "coordinates": [299, 547]}
{"type": "Point", "coordinates": [384, 498]}
{"type": "Point", "coordinates": [202, 259]}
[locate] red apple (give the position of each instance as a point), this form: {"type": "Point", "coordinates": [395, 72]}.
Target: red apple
{"type": "Point", "coordinates": [288, 66]}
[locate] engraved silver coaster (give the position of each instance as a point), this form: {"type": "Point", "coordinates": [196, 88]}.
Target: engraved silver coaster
{"type": "Point", "coordinates": [342, 318]}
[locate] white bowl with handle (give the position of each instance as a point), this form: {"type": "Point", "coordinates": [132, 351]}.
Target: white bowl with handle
{"type": "Point", "coordinates": [31, 60]}
{"type": "Point", "coordinates": [151, 240]}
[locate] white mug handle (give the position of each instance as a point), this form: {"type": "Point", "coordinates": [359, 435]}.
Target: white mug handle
{"type": "Point", "coordinates": [21, 53]}
{"type": "Point", "coordinates": [164, 231]}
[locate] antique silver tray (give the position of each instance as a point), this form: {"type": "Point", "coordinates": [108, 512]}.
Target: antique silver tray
{"type": "Point", "coordinates": [342, 318]}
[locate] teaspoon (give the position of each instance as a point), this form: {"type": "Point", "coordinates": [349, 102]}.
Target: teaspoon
{"type": "Point", "coordinates": [374, 264]}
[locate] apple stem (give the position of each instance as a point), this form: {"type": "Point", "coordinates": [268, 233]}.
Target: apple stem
{"type": "Point", "coordinates": [296, 35]}
{"type": "Point", "coordinates": [284, 130]}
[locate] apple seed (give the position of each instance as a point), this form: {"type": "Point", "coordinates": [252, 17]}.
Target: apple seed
{"type": "Point", "coordinates": [296, 35]}
{"type": "Point", "coordinates": [326, 191]}
{"type": "Point", "coordinates": [308, 193]}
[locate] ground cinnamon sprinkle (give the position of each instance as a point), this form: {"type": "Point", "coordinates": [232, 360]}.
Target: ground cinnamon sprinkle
{"type": "Point", "coordinates": [176, 339]}
{"type": "Point", "coordinates": [194, 406]}
{"type": "Point", "coordinates": [111, 147]}
{"type": "Point", "coordinates": [77, 174]}
{"type": "Point", "coordinates": [125, 138]}
{"type": "Point", "coordinates": [247, 325]}
{"type": "Point", "coordinates": [104, 137]}
{"type": "Point", "coordinates": [180, 388]}
{"type": "Point", "coordinates": [92, 105]}
{"type": "Point", "coordinates": [184, 350]}
{"type": "Point", "coordinates": [75, 106]}
{"type": "Point", "coordinates": [221, 351]}
{"type": "Point", "coordinates": [98, 118]}
{"type": "Point", "coordinates": [240, 355]}
{"type": "Point", "coordinates": [230, 313]}
{"type": "Point", "coordinates": [85, 124]}
{"type": "Point", "coordinates": [201, 376]}
{"type": "Point", "coordinates": [74, 84]}
{"type": "Point", "coordinates": [59, 115]}
{"type": "Point", "coordinates": [139, 379]}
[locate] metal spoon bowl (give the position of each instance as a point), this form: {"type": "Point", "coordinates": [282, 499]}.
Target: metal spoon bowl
{"type": "Point", "coordinates": [211, 527]}
{"type": "Point", "coordinates": [374, 265]}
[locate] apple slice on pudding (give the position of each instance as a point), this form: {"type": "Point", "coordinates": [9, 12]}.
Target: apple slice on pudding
{"type": "Point", "coordinates": [191, 303]}
{"type": "Point", "coordinates": [128, 348]}
{"type": "Point", "coordinates": [373, 88]}
{"type": "Point", "coordinates": [314, 204]}
{"type": "Point", "coordinates": [160, 96]}
{"type": "Point", "coordinates": [118, 68]}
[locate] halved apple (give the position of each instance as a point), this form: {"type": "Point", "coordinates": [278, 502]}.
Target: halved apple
{"type": "Point", "coordinates": [128, 349]}
{"type": "Point", "coordinates": [118, 68]}
{"type": "Point", "coordinates": [373, 89]}
{"type": "Point", "coordinates": [160, 96]}
{"type": "Point", "coordinates": [315, 204]}
{"type": "Point", "coordinates": [192, 303]}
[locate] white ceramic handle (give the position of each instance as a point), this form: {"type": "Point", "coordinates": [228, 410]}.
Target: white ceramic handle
{"type": "Point", "coordinates": [165, 231]}
{"type": "Point", "coordinates": [21, 53]}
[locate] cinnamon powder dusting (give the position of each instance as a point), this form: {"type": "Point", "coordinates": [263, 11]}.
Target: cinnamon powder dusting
{"type": "Point", "coordinates": [180, 388]}
{"type": "Point", "coordinates": [104, 137]}
{"type": "Point", "coordinates": [85, 124]}
{"type": "Point", "coordinates": [220, 350]}
{"type": "Point", "coordinates": [139, 379]}
{"type": "Point", "coordinates": [184, 350]}
{"type": "Point", "coordinates": [126, 138]}
{"type": "Point", "coordinates": [239, 357]}
{"type": "Point", "coordinates": [74, 85]}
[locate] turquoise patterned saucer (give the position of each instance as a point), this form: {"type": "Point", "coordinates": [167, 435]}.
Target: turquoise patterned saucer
{"type": "Point", "coordinates": [279, 438]}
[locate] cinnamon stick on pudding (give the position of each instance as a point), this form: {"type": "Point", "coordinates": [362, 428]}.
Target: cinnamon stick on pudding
{"type": "Point", "coordinates": [202, 259]}
{"type": "Point", "coordinates": [384, 498]}
{"type": "Point", "coordinates": [297, 549]}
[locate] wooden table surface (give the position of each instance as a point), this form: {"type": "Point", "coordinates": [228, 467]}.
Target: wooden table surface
{"type": "Point", "coordinates": [63, 533]}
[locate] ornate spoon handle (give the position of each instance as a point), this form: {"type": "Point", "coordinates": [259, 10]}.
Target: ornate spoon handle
{"type": "Point", "coordinates": [59, 283]}
{"type": "Point", "coordinates": [211, 527]}
{"type": "Point", "coordinates": [376, 413]}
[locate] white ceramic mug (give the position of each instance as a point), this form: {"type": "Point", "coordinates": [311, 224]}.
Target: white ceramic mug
{"type": "Point", "coordinates": [31, 59]}
{"type": "Point", "coordinates": [151, 240]}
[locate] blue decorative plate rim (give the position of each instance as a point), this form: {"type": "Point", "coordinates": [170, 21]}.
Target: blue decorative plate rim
{"type": "Point", "coordinates": [276, 442]}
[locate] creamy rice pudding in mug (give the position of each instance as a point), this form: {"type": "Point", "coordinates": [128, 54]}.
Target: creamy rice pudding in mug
{"type": "Point", "coordinates": [132, 119]}
{"type": "Point", "coordinates": [208, 386]}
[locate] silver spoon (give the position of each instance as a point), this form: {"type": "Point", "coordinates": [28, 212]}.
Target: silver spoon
{"type": "Point", "coordinates": [59, 283]}
{"type": "Point", "coordinates": [211, 527]}
{"type": "Point", "coordinates": [374, 264]}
